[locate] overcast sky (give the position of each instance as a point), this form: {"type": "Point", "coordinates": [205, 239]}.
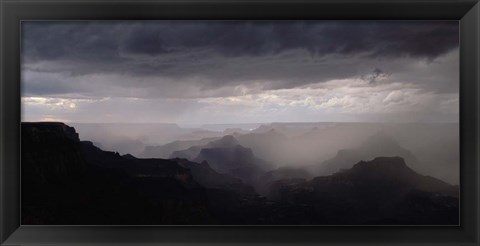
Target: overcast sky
{"type": "Point", "coordinates": [193, 72]}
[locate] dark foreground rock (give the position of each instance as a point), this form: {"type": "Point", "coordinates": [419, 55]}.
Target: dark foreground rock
{"type": "Point", "coordinates": [68, 181]}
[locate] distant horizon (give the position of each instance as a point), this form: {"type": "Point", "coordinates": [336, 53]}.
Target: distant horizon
{"type": "Point", "coordinates": [251, 123]}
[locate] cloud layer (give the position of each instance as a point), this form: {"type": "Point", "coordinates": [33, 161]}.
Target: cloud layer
{"type": "Point", "coordinates": [242, 71]}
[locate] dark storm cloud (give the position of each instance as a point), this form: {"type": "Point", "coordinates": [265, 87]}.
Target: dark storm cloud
{"type": "Point", "coordinates": [89, 40]}
{"type": "Point", "coordinates": [70, 40]}
{"type": "Point", "coordinates": [192, 58]}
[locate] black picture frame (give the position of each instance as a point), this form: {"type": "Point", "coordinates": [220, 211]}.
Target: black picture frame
{"type": "Point", "coordinates": [14, 11]}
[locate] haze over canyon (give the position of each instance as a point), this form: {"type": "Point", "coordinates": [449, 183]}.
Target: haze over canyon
{"type": "Point", "coordinates": [240, 122]}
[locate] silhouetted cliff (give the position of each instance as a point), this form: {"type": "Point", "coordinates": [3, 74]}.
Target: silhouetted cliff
{"type": "Point", "coordinates": [68, 181]}
{"type": "Point", "coordinates": [65, 181]}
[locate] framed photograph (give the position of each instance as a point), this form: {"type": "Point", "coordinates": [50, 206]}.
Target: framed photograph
{"type": "Point", "coordinates": [239, 122]}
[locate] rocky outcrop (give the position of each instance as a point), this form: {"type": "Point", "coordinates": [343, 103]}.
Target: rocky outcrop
{"type": "Point", "coordinates": [381, 191]}
{"type": "Point", "coordinates": [190, 153]}
{"type": "Point", "coordinates": [165, 151]}
{"type": "Point", "coordinates": [65, 181]}
{"type": "Point", "coordinates": [379, 144]}
{"type": "Point", "coordinates": [50, 153]}
{"type": "Point", "coordinates": [236, 161]}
